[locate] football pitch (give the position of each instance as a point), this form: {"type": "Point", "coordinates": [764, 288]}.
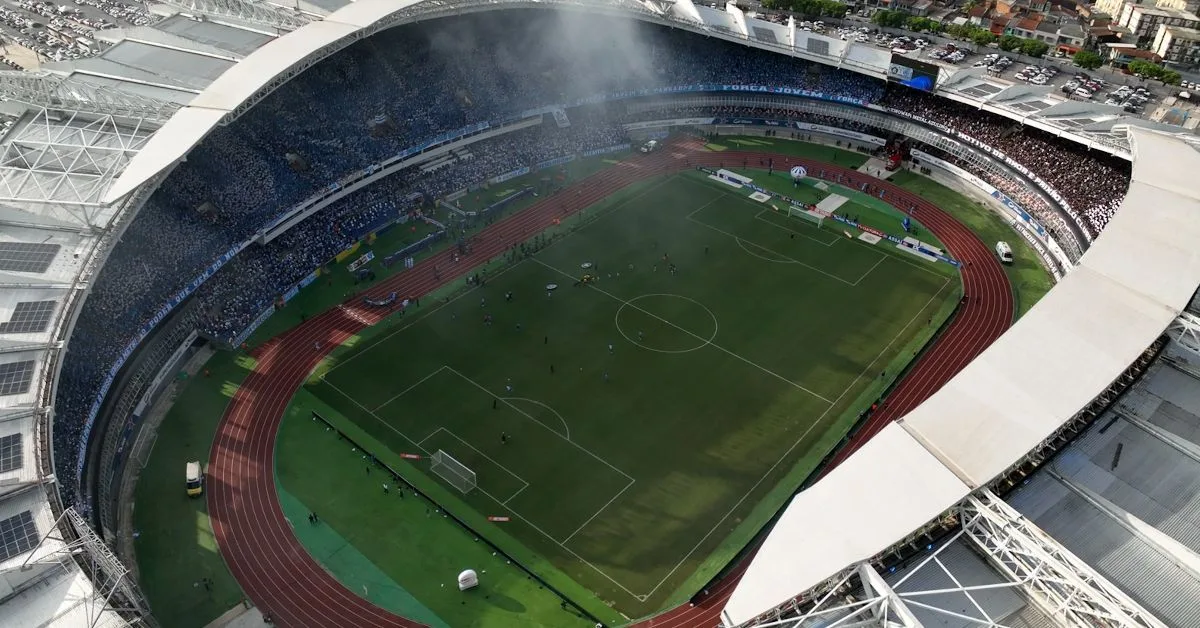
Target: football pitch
{"type": "Point", "coordinates": [628, 426]}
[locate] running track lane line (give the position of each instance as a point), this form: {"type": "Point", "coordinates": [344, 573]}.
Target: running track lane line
{"type": "Point", "coordinates": [253, 535]}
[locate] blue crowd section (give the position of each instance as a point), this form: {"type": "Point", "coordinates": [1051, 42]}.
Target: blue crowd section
{"type": "Point", "coordinates": [396, 90]}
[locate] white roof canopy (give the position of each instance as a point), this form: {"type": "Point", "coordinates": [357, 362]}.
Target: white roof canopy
{"type": "Point", "coordinates": [857, 511]}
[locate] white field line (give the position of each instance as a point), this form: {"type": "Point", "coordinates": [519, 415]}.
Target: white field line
{"type": "Point", "coordinates": [520, 479]}
{"type": "Point", "coordinates": [870, 366]}
{"type": "Point", "coordinates": [531, 418]}
{"type": "Point", "coordinates": [759, 216]}
{"type": "Point", "coordinates": [500, 501]}
{"type": "Point", "coordinates": [597, 513]}
{"type": "Point", "coordinates": [785, 257]}
{"type": "Point", "coordinates": [535, 402]}
{"type": "Point", "coordinates": [712, 344]}
{"type": "Point", "coordinates": [406, 390]}
{"type": "Point", "coordinates": [413, 321]}
{"type": "Point", "coordinates": [514, 495]}
{"type": "Point", "coordinates": [864, 275]}
{"type": "Point", "coordinates": [376, 417]}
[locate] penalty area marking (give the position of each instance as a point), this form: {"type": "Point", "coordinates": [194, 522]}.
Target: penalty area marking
{"type": "Point", "coordinates": [704, 342]}
{"type": "Point", "coordinates": [546, 406]}
{"type": "Point", "coordinates": [742, 244]}
{"type": "Point", "coordinates": [504, 502]}
{"type": "Point", "coordinates": [523, 481]}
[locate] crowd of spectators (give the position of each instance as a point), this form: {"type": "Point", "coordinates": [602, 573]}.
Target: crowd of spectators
{"type": "Point", "coordinates": [249, 284]}
{"type": "Point", "coordinates": [1091, 183]}
{"type": "Point", "coordinates": [406, 87]}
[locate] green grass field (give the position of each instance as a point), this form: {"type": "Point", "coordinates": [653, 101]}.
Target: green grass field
{"type": "Point", "coordinates": [648, 413]}
{"type": "Point", "coordinates": [398, 552]}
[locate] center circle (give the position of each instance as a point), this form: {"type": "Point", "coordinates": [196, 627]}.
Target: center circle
{"type": "Point", "coordinates": [641, 304]}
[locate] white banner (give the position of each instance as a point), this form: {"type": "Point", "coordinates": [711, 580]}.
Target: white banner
{"type": "Point", "coordinates": [829, 130]}
{"type": "Point", "coordinates": [654, 124]}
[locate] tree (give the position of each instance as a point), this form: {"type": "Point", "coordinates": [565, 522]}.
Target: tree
{"type": "Point", "coordinates": [1087, 60]}
{"type": "Point", "coordinates": [890, 19]}
{"type": "Point", "coordinates": [1008, 43]}
{"type": "Point", "coordinates": [923, 24]}
{"type": "Point", "coordinates": [1145, 69]}
{"type": "Point", "coordinates": [982, 37]}
{"type": "Point", "coordinates": [1034, 48]}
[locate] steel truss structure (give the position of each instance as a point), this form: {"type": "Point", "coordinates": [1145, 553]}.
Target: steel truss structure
{"type": "Point", "coordinates": [1185, 330]}
{"type": "Point", "coordinates": [260, 13]}
{"type": "Point", "coordinates": [62, 162]}
{"type": "Point", "coordinates": [115, 589]}
{"type": "Point", "coordinates": [878, 606]}
{"type": "Point", "coordinates": [1059, 585]}
{"type": "Point", "coordinates": [53, 91]}
{"type": "Point", "coordinates": [1065, 587]}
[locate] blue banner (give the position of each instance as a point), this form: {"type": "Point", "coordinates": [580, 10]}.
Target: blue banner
{"type": "Point", "coordinates": [166, 310]}
{"type": "Point", "coordinates": [413, 248]}
{"type": "Point", "coordinates": [550, 163]}
{"type": "Point", "coordinates": [604, 151]}
{"type": "Point", "coordinates": [709, 87]}
{"type": "Point", "coordinates": [512, 174]}
{"type": "Point", "coordinates": [254, 325]}
{"type": "Point", "coordinates": [304, 283]}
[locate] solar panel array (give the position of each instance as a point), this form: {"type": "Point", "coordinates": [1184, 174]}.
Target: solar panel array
{"type": "Point", "coordinates": [15, 377]}
{"type": "Point", "coordinates": [1031, 106]}
{"type": "Point", "coordinates": [27, 257]}
{"type": "Point", "coordinates": [28, 317]}
{"type": "Point", "coordinates": [11, 454]}
{"type": "Point", "coordinates": [982, 90]}
{"type": "Point", "coordinates": [764, 34]}
{"type": "Point", "coordinates": [17, 535]}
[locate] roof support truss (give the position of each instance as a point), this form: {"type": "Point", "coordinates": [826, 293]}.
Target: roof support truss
{"type": "Point", "coordinates": [880, 607]}
{"type": "Point", "coordinates": [1185, 330]}
{"type": "Point", "coordinates": [43, 89]}
{"type": "Point", "coordinates": [1065, 587]}
{"type": "Point", "coordinates": [253, 12]}
{"type": "Point", "coordinates": [67, 161]}
{"type": "Point", "coordinates": [115, 589]}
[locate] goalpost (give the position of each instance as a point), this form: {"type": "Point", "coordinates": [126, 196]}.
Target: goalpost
{"type": "Point", "coordinates": [804, 214]}
{"type": "Point", "coordinates": [453, 471]}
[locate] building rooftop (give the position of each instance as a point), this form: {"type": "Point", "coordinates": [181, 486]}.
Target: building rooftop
{"type": "Point", "coordinates": [1188, 34]}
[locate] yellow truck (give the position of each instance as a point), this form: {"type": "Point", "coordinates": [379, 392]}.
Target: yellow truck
{"type": "Point", "coordinates": [195, 479]}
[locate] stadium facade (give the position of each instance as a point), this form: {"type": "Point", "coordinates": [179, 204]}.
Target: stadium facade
{"type": "Point", "coordinates": [1108, 353]}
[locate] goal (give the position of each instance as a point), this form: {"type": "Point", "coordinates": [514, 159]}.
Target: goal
{"type": "Point", "coordinates": [453, 471]}
{"type": "Point", "coordinates": [804, 214]}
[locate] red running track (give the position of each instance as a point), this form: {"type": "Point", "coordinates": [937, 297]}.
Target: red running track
{"type": "Point", "coordinates": [255, 538]}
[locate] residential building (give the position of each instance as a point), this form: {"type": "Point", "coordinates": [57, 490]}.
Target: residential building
{"type": "Point", "coordinates": [1026, 27]}
{"type": "Point", "coordinates": [1121, 54]}
{"type": "Point", "coordinates": [1180, 46]}
{"type": "Point", "coordinates": [1071, 38]}
{"type": "Point", "coordinates": [1183, 5]}
{"type": "Point", "coordinates": [1116, 7]}
{"type": "Point", "coordinates": [1143, 21]}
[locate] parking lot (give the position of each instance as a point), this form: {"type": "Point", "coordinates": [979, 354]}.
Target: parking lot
{"type": "Point", "coordinates": [47, 31]}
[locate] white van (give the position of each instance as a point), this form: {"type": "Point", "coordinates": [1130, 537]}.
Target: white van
{"type": "Point", "coordinates": [195, 479]}
{"type": "Point", "coordinates": [1004, 252]}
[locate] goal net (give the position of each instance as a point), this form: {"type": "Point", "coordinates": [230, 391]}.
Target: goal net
{"type": "Point", "coordinates": [453, 471]}
{"type": "Point", "coordinates": [804, 214]}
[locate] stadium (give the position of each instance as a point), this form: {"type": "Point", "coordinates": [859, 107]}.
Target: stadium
{"type": "Point", "coordinates": [588, 313]}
